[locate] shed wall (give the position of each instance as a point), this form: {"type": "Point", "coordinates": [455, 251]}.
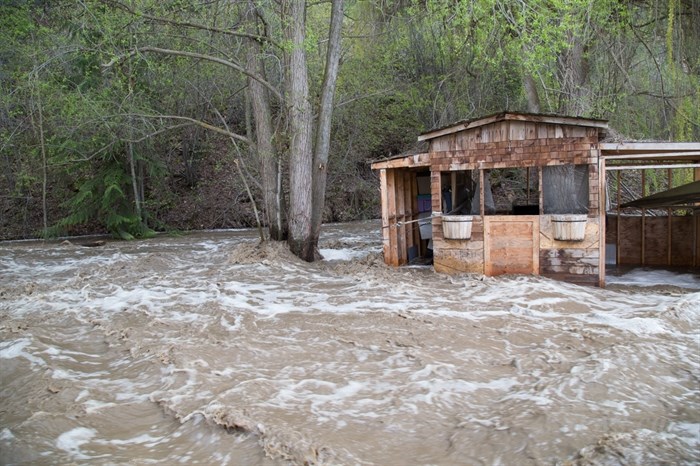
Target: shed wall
{"type": "Point", "coordinates": [655, 241]}
{"type": "Point", "coordinates": [517, 144]}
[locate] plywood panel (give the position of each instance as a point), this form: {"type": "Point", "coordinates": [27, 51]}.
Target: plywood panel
{"type": "Point", "coordinates": [511, 245]}
{"type": "Point", "coordinates": [460, 260]}
{"type": "Point", "coordinates": [682, 239]}
{"type": "Point", "coordinates": [630, 247]}
{"type": "Point", "coordinates": [656, 241]}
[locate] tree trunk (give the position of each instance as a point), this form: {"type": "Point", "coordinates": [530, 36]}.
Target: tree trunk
{"type": "Point", "coordinates": [323, 131]}
{"type": "Point", "coordinates": [533, 97]}
{"type": "Point", "coordinates": [262, 116]}
{"type": "Point", "coordinates": [130, 145]}
{"type": "Point", "coordinates": [576, 100]}
{"type": "Point", "coordinates": [44, 164]}
{"type": "Point", "coordinates": [301, 241]}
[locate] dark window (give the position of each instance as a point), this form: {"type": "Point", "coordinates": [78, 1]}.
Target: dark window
{"type": "Point", "coordinates": [512, 191]}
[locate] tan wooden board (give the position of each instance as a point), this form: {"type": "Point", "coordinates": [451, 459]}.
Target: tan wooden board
{"type": "Point", "coordinates": [459, 261]}
{"type": "Point", "coordinates": [511, 245]}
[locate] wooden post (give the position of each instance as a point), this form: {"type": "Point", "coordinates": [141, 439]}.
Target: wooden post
{"type": "Point", "coordinates": [410, 213]}
{"type": "Point", "coordinates": [453, 189]}
{"type": "Point", "coordinates": [400, 217]}
{"type": "Point", "coordinates": [617, 221]}
{"type": "Point", "coordinates": [696, 230]}
{"type": "Point", "coordinates": [644, 211]}
{"type": "Point", "coordinates": [527, 176]}
{"type": "Point", "coordinates": [540, 194]}
{"type": "Point", "coordinates": [482, 209]}
{"type": "Point", "coordinates": [669, 211]}
{"type": "Point", "coordinates": [383, 188]}
{"type": "Point", "coordinates": [412, 185]}
{"type": "Point", "coordinates": [602, 215]}
{"type": "Point", "coordinates": [393, 256]}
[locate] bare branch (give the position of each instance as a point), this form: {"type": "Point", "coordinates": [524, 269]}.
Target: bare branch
{"type": "Point", "coordinates": [216, 129]}
{"type": "Point", "coordinates": [157, 132]}
{"type": "Point", "coordinates": [365, 96]}
{"type": "Point", "coordinates": [188, 24]}
{"type": "Point", "coordinates": [201, 56]}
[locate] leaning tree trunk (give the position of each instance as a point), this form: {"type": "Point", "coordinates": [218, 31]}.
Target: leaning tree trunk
{"type": "Point", "coordinates": [262, 115]}
{"type": "Point", "coordinates": [533, 97]}
{"type": "Point", "coordinates": [323, 131]}
{"type": "Point", "coordinates": [301, 241]}
{"type": "Point", "coordinates": [576, 97]}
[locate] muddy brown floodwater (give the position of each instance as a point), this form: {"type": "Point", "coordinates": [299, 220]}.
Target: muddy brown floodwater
{"type": "Point", "coordinates": [209, 349]}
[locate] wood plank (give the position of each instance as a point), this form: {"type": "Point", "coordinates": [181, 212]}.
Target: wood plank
{"type": "Point", "coordinates": [586, 280]}
{"type": "Point", "coordinates": [511, 245]}
{"type": "Point", "coordinates": [393, 257]}
{"type": "Point", "coordinates": [402, 252]}
{"type": "Point", "coordinates": [696, 234]}
{"type": "Point", "coordinates": [453, 188]}
{"type": "Point", "coordinates": [459, 261]}
{"type": "Point", "coordinates": [409, 200]}
{"type": "Point", "coordinates": [653, 166]}
{"type": "Point", "coordinates": [517, 131]}
{"type": "Point", "coordinates": [602, 203]}
{"type": "Point", "coordinates": [610, 147]}
{"type": "Point", "coordinates": [458, 127]}
{"type": "Point", "coordinates": [569, 261]}
{"type": "Point", "coordinates": [409, 161]}
{"type": "Point", "coordinates": [482, 193]}
{"type": "Point", "coordinates": [386, 240]}
{"type": "Point", "coordinates": [414, 202]}
{"type": "Point", "coordinates": [560, 120]}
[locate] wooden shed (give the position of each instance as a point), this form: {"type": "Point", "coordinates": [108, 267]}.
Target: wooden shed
{"type": "Point", "coordinates": [510, 193]}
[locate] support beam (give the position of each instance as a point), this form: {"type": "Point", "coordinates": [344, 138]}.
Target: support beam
{"type": "Point", "coordinates": [643, 167]}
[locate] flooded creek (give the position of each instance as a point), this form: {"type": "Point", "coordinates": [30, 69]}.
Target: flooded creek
{"type": "Point", "coordinates": [208, 349]}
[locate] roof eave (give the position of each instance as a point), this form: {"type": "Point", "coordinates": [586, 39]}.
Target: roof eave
{"type": "Point", "coordinates": [512, 116]}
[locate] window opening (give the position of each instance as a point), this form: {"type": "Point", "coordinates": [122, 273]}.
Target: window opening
{"type": "Point", "coordinates": [565, 189]}
{"type": "Point", "coordinates": [513, 191]}
{"type": "Point", "coordinates": [460, 192]}
{"type": "Point", "coordinates": [424, 197]}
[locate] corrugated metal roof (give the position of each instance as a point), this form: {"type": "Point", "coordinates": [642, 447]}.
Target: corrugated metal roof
{"type": "Point", "coordinates": [681, 196]}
